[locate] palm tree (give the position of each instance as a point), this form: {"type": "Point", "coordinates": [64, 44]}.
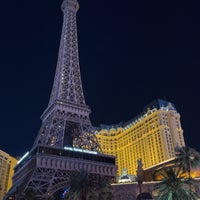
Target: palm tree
{"type": "Point", "coordinates": [103, 188]}
{"type": "Point", "coordinates": [187, 159]}
{"type": "Point", "coordinates": [86, 186]}
{"type": "Point", "coordinates": [174, 186]}
{"type": "Point", "coordinates": [80, 186]}
{"type": "Point", "coordinates": [29, 194]}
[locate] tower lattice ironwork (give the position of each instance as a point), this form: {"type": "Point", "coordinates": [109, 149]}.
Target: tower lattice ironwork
{"type": "Point", "coordinates": [66, 121]}
{"type": "Point", "coordinates": [65, 141]}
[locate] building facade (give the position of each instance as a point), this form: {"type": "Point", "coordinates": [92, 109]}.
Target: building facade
{"type": "Point", "coordinates": [151, 136]}
{"type": "Point", "coordinates": [7, 164]}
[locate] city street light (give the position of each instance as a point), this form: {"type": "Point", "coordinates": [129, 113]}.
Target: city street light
{"type": "Point", "coordinates": [140, 174]}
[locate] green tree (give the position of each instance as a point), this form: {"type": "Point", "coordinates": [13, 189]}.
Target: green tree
{"type": "Point", "coordinates": [187, 158]}
{"type": "Point", "coordinates": [174, 186]}
{"type": "Point", "coordinates": [103, 188]}
{"type": "Point", "coordinates": [86, 186]}
{"type": "Point", "coordinates": [29, 194]}
{"type": "Point", "coordinates": [80, 185]}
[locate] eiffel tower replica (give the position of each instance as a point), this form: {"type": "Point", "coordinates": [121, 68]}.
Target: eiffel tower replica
{"type": "Point", "coordinates": [65, 142]}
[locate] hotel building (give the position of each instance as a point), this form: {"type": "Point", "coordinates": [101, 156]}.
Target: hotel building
{"type": "Point", "coordinates": [151, 136]}
{"type": "Point", "coordinates": [7, 164]}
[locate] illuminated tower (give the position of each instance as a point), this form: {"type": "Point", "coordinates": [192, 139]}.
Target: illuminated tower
{"type": "Point", "coordinates": [65, 142]}
{"type": "Point", "coordinates": [66, 118]}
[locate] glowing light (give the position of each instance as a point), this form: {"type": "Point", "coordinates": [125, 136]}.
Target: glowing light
{"type": "Point", "coordinates": [22, 158]}
{"type": "Point", "coordinates": [65, 193]}
{"type": "Point", "coordinates": [79, 150]}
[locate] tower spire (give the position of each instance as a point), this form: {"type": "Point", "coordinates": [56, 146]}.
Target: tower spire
{"type": "Point", "coordinates": [67, 87]}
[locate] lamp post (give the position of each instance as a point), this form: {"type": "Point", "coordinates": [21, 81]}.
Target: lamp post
{"type": "Point", "coordinates": [140, 175]}
{"type": "Point", "coordinates": [191, 157]}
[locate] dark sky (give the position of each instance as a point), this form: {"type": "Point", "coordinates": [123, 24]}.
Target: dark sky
{"type": "Point", "coordinates": [131, 52]}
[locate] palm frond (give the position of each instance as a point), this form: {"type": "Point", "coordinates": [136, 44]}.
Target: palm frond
{"type": "Point", "coordinates": [174, 186]}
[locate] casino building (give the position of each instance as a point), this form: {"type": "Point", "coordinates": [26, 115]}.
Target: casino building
{"type": "Point", "coordinates": [151, 136]}
{"type": "Point", "coordinates": [7, 164]}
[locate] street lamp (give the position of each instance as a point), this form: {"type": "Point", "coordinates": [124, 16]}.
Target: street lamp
{"type": "Point", "coordinates": [140, 174]}
{"type": "Point", "coordinates": [191, 158]}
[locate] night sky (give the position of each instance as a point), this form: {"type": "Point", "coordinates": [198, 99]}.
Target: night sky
{"type": "Point", "coordinates": [131, 52]}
